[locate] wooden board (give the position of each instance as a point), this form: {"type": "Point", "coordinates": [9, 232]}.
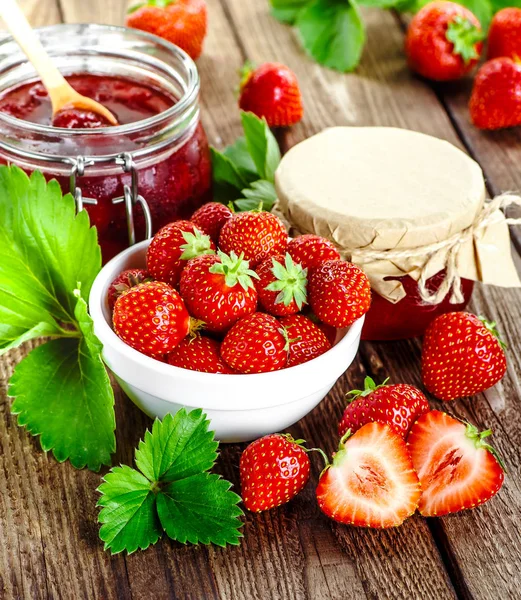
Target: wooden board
{"type": "Point", "coordinates": [48, 530]}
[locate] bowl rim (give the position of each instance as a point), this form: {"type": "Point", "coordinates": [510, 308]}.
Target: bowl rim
{"type": "Point", "coordinates": [107, 336]}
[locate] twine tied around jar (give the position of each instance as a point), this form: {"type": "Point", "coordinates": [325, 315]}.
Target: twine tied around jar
{"type": "Point", "coordinates": [452, 280]}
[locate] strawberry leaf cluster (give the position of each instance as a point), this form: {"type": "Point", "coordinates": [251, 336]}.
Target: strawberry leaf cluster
{"type": "Point", "coordinates": [49, 257]}
{"type": "Point", "coordinates": [243, 174]}
{"type": "Point", "coordinates": [171, 490]}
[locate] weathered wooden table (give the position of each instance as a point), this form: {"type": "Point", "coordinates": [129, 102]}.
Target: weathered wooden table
{"type": "Point", "coordinates": [49, 546]}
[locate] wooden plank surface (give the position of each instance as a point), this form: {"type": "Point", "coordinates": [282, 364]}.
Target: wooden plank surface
{"type": "Point", "coordinates": [48, 529]}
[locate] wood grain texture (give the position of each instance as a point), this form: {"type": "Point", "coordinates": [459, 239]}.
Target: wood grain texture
{"type": "Point", "coordinates": [39, 12]}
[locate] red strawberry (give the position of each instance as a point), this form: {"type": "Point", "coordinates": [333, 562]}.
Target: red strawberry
{"type": "Point", "coordinates": [397, 405]}
{"type": "Point", "coordinates": [306, 340]}
{"type": "Point", "coordinates": [210, 219]}
{"type": "Point", "coordinates": [495, 101]}
{"type": "Point", "coordinates": [312, 250]}
{"type": "Point", "coordinates": [444, 41]}
{"type": "Point", "coordinates": [199, 353]}
{"type": "Point", "coordinates": [181, 22]}
{"type": "Point", "coordinates": [271, 91]}
{"type": "Point", "coordinates": [462, 355]}
{"type": "Point", "coordinates": [151, 318]}
{"type": "Point", "coordinates": [256, 344]}
{"type": "Point", "coordinates": [456, 467]}
{"type": "Point", "coordinates": [371, 482]}
{"type": "Point", "coordinates": [339, 293]}
{"type": "Point", "coordinates": [123, 282]}
{"type": "Point", "coordinates": [274, 469]}
{"type": "Point", "coordinates": [281, 285]}
{"type": "Point", "coordinates": [219, 290]}
{"type": "Point", "coordinates": [255, 234]}
{"type": "Point", "coordinates": [504, 35]}
{"type": "Point", "coordinates": [172, 247]}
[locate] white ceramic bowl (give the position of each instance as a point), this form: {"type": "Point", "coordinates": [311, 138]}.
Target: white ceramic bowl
{"type": "Point", "coordinates": [240, 407]}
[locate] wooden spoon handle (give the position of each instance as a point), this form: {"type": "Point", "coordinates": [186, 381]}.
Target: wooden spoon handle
{"type": "Point", "coordinates": [31, 45]}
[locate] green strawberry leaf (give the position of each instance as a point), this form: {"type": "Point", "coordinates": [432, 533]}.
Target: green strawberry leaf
{"type": "Point", "coordinates": [172, 491]}
{"type": "Point", "coordinates": [286, 11]}
{"type": "Point", "coordinates": [228, 179]}
{"type": "Point", "coordinates": [483, 11]}
{"type": "Point", "coordinates": [262, 145]}
{"type": "Point", "coordinates": [260, 191]}
{"type": "Point", "coordinates": [128, 516]}
{"type": "Point", "coordinates": [332, 32]}
{"type": "Point", "coordinates": [239, 155]}
{"type": "Point", "coordinates": [62, 393]}
{"type": "Point", "coordinates": [200, 509]}
{"type": "Point", "coordinates": [177, 447]}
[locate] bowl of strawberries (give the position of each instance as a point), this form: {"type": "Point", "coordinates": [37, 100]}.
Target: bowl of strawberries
{"type": "Point", "coordinates": [226, 313]}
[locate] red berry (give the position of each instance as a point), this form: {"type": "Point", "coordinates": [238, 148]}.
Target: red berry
{"type": "Point", "coordinates": [456, 467]}
{"type": "Point", "coordinates": [255, 234]}
{"type": "Point", "coordinates": [371, 481]}
{"type": "Point", "coordinates": [181, 22]}
{"type": "Point", "coordinates": [504, 35]}
{"type": "Point", "coordinates": [312, 250]}
{"type": "Point", "coordinates": [123, 282]}
{"type": "Point", "coordinates": [306, 340]}
{"type": "Point", "coordinates": [444, 41]}
{"type": "Point", "coordinates": [274, 469]}
{"type": "Point", "coordinates": [172, 247]}
{"type": "Point", "coordinates": [271, 91]}
{"type": "Point", "coordinates": [461, 356]}
{"type": "Point", "coordinates": [218, 290]}
{"type": "Point", "coordinates": [495, 102]}
{"type": "Point", "coordinates": [339, 293]}
{"type": "Point", "coordinates": [151, 318]}
{"type": "Point", "coordinates": [199, 353]}
{"type": "Point", "coordinates": [256, 344]}
{"type": "Point", "coordinates": [397, 405]}
{"type": "Point", "coordinates": [281, 285]}
{"type": "Point", "coordinates": [210, 219]}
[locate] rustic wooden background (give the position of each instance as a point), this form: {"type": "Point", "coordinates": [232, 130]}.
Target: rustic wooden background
{"type": "Point", "coordinates": [49, 545]}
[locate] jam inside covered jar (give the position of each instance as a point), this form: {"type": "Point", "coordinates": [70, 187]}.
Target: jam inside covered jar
{"type": "Point", "coordinates": [133, 178]}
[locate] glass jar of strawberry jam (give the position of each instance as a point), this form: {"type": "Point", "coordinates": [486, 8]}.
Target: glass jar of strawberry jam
{"type": "Point", "coordinates": [133, 178]}
{"type": "Point", "coordinates": [409, 209]}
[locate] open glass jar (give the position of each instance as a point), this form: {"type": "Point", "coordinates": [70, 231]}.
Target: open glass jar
{"type": "Point", "coordinates": [133, 178]}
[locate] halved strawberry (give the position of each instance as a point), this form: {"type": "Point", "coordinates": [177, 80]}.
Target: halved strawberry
{"type": "Point", "coordinates": [456, 467]}
{"type": "Point", "coordinates": [371, 481]}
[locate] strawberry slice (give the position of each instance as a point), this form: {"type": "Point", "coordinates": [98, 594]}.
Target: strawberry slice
{"type": "Point", "coordinates": [456, 467]}
{"type": "Point", "coordinates": [371, 482]}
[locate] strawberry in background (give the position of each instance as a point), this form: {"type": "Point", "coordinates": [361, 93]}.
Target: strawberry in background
{"type": "Point", "coordinates": [444, 41]}
{"type": "Point", "coordinates": [181, 22]}
{"type": "Point", "coordinates": [495, 102]}
{"type": "Point", "coordinates": [271, 91]}
{"type": "Point", "coordinates": [504, 37]}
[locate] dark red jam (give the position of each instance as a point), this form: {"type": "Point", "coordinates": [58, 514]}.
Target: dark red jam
{"type": "Point", "coordinates": [411, 316]}
{"type": "Point", "coordinates": [174, 184]}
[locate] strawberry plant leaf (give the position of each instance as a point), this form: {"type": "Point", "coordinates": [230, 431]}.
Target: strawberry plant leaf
{"type": "Point", "coordinates": [286, 11]}
{"type": "Point", "coordinates": [177, 447]}
{"type": "Point", "coordinates": [62, 393]}
{"type": "Point", "coordinates": [172, 491]}
{"type": "Point", "coordinates": [227, 177]}
{"type": "Point", "coordinates": [128, 516]}
{"type": "Point", "coordinates": [200, 509]}
{"type": "Point", "coordinates": [332, 32]}
{"type": "Point", "coordinates": [260, 191]}
{"type": "Point", "coordinates": [262, 145]}
{"type": "Point", "coordinates": [239, 155]}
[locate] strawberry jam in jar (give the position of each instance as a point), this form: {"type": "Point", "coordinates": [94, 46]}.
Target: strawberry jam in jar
{"type": "Point", "coordinates": [132, 178]}
{"type": "Point", "coordinates": [407, 208]}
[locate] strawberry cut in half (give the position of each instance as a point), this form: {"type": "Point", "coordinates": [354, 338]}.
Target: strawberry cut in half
{"type": "Point", "coordinates": [371, 481]}
{"type": "Point", "coordinates": [274, 469]}
{"type": "Point", "coordinates": [281, 285]}
{"type": "Point", "coordinates": [456, 466]}
{"type": "Point", "coordinates": [398, 405]}
{"type": "Point", "coordinates": [462, 355]}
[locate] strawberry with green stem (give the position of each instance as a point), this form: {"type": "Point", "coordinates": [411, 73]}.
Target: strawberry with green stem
{"type": "Point", "coordinates": [281, 285]}
{"type": "Point", "coordinates": [306, 340]}
{"type": "Point", "coordinates": [124, 281]}
{"type": "Point", "coordinates": [398, 405]}
{"type": "Point", "coordinates": [219, 290]}
{"type": "Point", "coordinates": [371, 481]}
{"type": "Point", "coordinates": [311, 250]}
{"type": "Point", "coordinates": [456, 466]}
{"type": "Point", "coordinates": [210, 219]}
